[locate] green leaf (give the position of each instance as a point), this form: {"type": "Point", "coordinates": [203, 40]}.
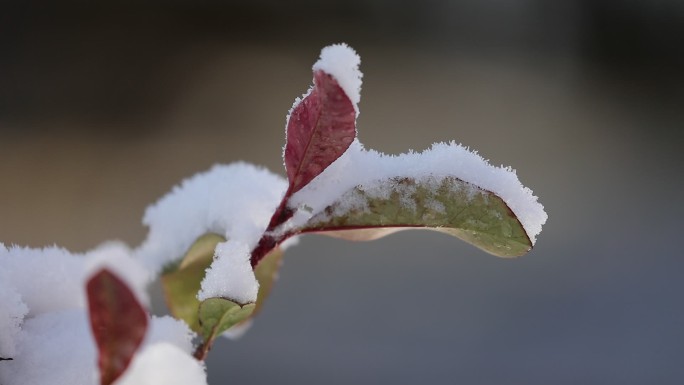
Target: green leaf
{"type": "Point", "coordinates": [448, 205]}
{"type": "Point", "coordinates": [182, 282]}
{"type": "Point", "coordinates": [216, 315]}
{"type": "Point", "coordinates": [266, 273]}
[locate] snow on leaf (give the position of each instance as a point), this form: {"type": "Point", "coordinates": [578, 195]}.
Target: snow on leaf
{"type": "Point", "coordinates": [231, 275]}
{"type": "Point", "coordinates": [342, 62]}
{"type": "Point", "coordinates": [320, 128]}
{"type": "Point", "coordinates": [118, 322]}
{"type": "Point", "coordinates": [266, 274]}
{"type": "Point", "coordinates": [182, 283]}
{"type": "Point", "coordinates": [447, 205]}
{"type": "Point", "coordinates": [367, 169]}
{"type": "Point", "coordinates": [234, 201]}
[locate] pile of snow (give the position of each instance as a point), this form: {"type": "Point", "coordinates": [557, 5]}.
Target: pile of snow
{"type": "Point", "coordinates": [230, 275]}
{"type": "Point", "coordinates": [235, 201]}
{"type": "Point", "coordinates": [168, 344]}
{"type": "Point", "coordinates": [44, 322]}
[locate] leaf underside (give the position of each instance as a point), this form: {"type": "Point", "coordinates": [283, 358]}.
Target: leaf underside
{"type": "Point", "coordinates": [447, 205]}
{"type": "Point", "coordinates": [319, 130]}
{"type": "Point", "coordinates": [118, 322]}
{"type": "Point", "coordinates": [182, 284]}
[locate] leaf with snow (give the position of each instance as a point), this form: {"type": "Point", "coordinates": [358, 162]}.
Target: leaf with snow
{"type": "Point", "coordinates": [216, 315]}
{"type": "Point", "coordinates": [321, 126]}
{"type": "Point", "coordinates": [118, 322]}
{"type": "Point", "coordinates": [182, 282]}
{"type": "Point", "coordinates": [447, 205]}
{"type": "Point", "coordinates": [234, 201]}
{"type": "Point", "coordinates": [447, 188]}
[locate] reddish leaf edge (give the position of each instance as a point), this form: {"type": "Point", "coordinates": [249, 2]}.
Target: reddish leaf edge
{"type": "Point", "coordinates": [118, 322]}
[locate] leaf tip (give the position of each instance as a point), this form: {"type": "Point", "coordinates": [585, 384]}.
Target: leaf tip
{"type": "Point", "coordinates": [342, 62]}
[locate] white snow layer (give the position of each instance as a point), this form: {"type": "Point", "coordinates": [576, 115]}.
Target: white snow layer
{"type": "Point", "coordinates": [165, 357]}
{"type": "Point", "coordinates": [12, 313]}
{"type": "Point", "coordinates": [342, 62]}
{"type": "Point", "coordinates": [361, 167]}
{"type": "Point", "coordinates": [44, 323]}
{"type": "Point", "coordinates": [53, 348]}
{"type": "Point", "coordinates": [235, 201]}
{"type": "Point", "coordinates": [116, 257]}
{"type": "Point", "coordinates": [163, 364]}
{"type": "Point", "coordinates": [47, 280]}
{"type": "Point", "coordinates": [58, 349]}
{"type": "Point", "coordinates": [230, 275]}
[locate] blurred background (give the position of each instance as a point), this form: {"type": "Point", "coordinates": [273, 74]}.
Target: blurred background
{"type": "Point", "coordinates": [104, 106]}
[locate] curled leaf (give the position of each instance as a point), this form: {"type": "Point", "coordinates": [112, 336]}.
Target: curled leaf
{"type": "Point", "coordinates": [448, 205]}
{"type": "Point", "coordinates": [319, 130]}
{"type": "Point", "coordinates": [118, 322]}
{"type": "Point", "coordinates": [266, 274]}
{"type": "Point", "coordinates": [182, 282]}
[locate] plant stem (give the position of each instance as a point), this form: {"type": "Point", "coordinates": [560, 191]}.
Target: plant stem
{"type": "Point", "coordinates": [269, 242]}
{"type": "Point", "coordinates": [202, 351]}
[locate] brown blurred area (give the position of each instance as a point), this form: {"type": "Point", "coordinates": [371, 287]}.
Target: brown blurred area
{"type": "Point", "coordinates": [105, 106]}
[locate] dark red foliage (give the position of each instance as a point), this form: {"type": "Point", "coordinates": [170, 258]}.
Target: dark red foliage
{"type": "Point", "coordinates": [118, 322]}
{"type": "Point", "coordinates": [320, 129]}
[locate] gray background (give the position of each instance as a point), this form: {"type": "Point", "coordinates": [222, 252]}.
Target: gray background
{"type": "Point", "coordinates": [104, 107]}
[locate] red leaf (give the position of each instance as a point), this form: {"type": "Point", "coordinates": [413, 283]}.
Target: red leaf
{"type": "Point", "coordinates": [320, 129]}
{"type": "Point", "coordinates": [118, 322]}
